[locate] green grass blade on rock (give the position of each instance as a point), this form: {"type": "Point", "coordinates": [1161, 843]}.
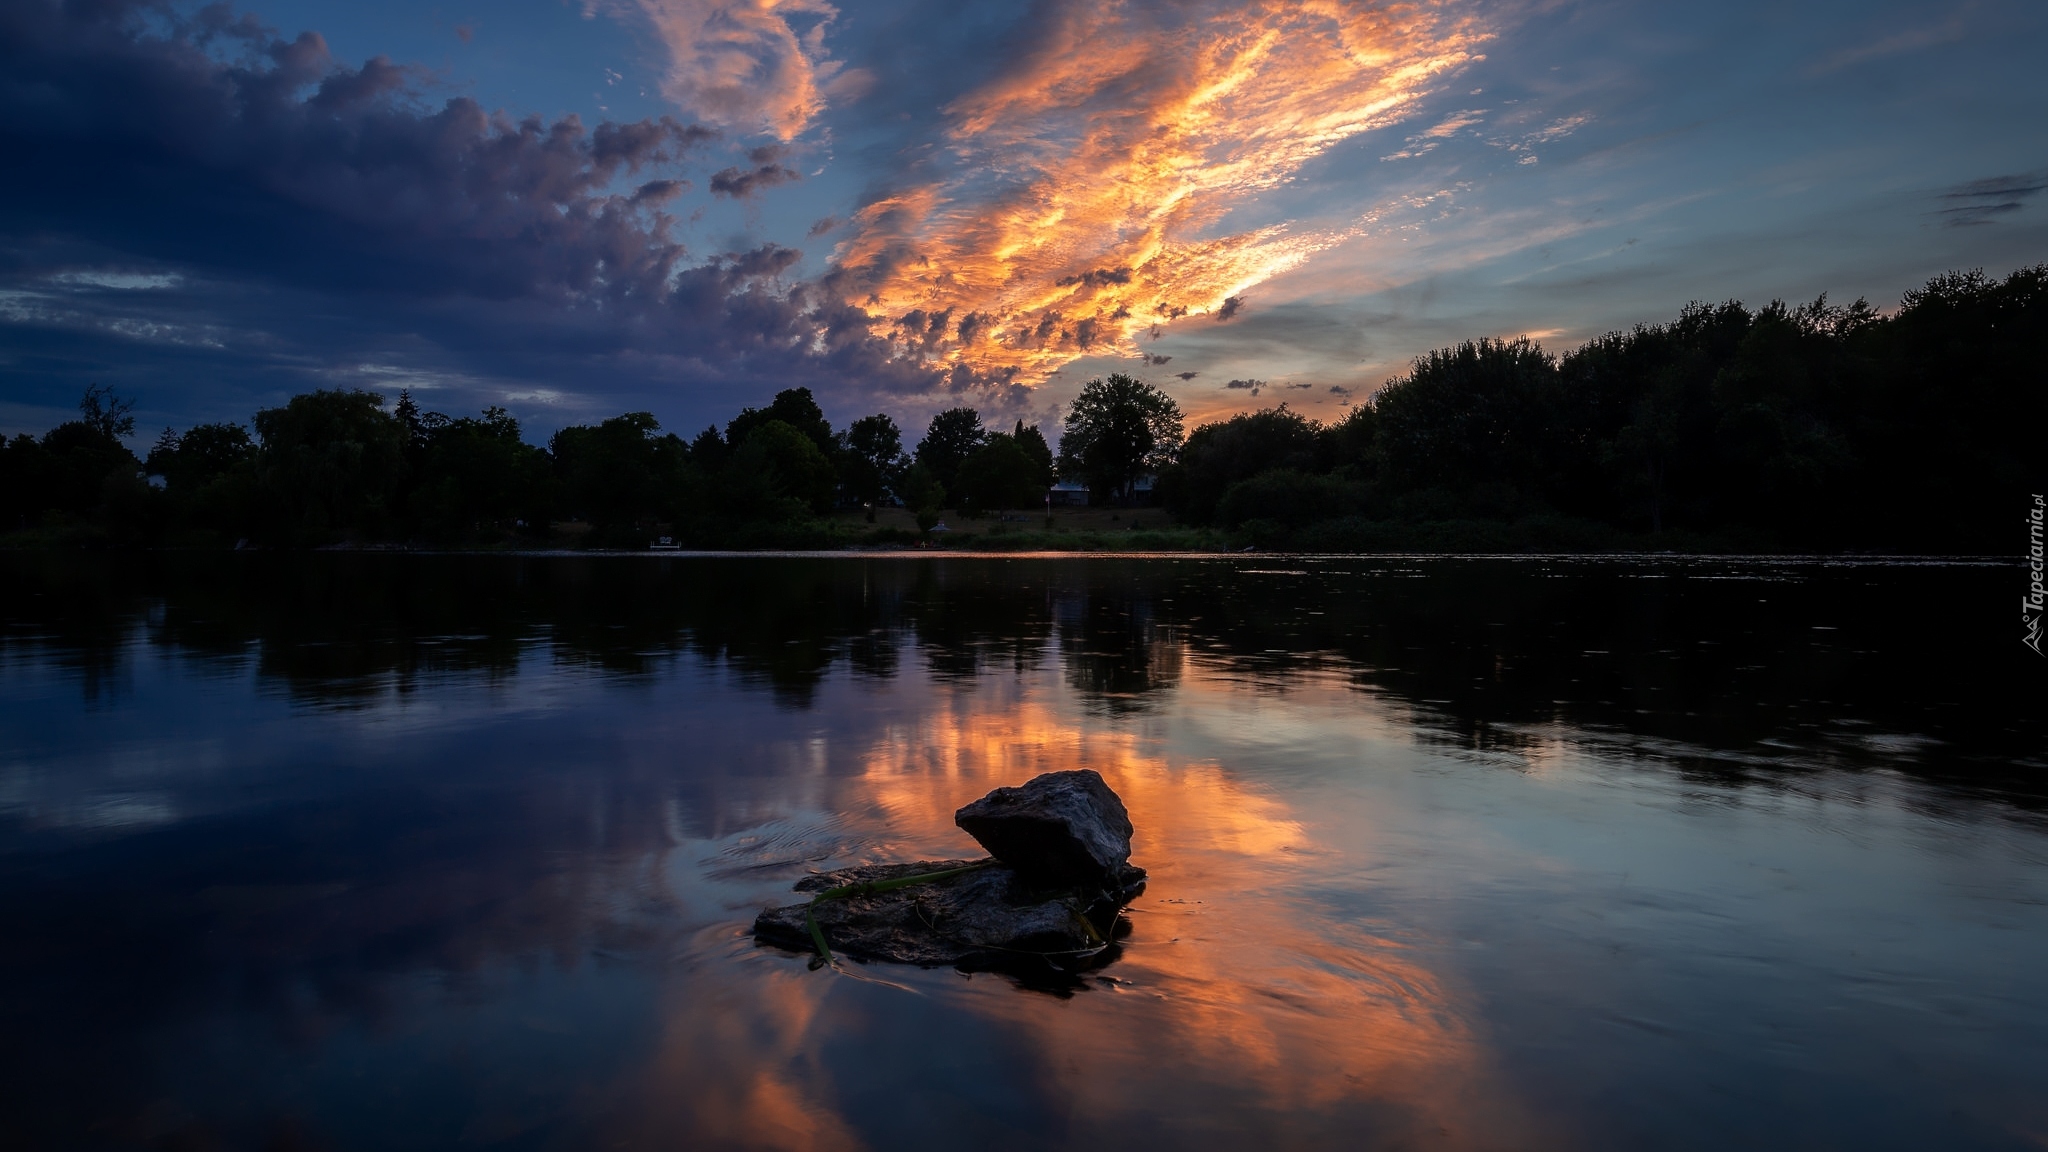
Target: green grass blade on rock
{"type": "Point", "coordinates": [869, 888]}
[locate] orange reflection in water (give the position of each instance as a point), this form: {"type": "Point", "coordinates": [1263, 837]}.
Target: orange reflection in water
{"type": "Point", "coordinates": [737, 1067]}
{"type": "Point", "coordinates": [1235, 995]}
{"type": "Point", "coordinates": [1228, 975]}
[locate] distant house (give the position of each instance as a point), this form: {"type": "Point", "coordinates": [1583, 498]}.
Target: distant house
{"type": "Point", "coordinates": [1067, 493]}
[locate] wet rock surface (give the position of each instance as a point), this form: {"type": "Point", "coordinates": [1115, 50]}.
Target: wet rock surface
{"type": "Point", "coordinates": [1051, 895]}
{"type": "Point", "coordinates": [987, 918]}
{"type": "Point", "coordinates": [1060, 828]}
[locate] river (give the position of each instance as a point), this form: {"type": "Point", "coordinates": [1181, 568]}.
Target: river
{"type": "Point", "coordinates": [389, 852]}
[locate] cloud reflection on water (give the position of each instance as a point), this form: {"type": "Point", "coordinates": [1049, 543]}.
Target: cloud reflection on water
{"type": "Point", "coordinates": [523, 861]}
{"type": "Point", "coordinates": [1228, 989]}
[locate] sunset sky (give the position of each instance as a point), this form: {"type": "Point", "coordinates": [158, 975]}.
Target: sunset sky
{"type": "Point", "coordinates": [575, 208]}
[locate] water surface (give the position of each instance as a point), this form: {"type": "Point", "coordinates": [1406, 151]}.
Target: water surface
{"type": "Point", "coordinates": [412, 852]}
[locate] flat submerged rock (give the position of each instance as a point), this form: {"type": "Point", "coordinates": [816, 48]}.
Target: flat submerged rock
{"type": "Point", "coordinates": [991, 917]}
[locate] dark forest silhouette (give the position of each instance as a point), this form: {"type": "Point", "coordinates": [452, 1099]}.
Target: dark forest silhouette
{"type": "Point", "coordinates": [1808, 428]}
{"type": "Point", "coordinates": [1784, 428]}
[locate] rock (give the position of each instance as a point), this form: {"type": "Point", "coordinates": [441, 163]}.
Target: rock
{"type": "Point", "coordinates": [1062, 828]}
{"type": "Point", "coordinates": [1051, 896]}
{"type": "Point", "coordinates": [991, 917]}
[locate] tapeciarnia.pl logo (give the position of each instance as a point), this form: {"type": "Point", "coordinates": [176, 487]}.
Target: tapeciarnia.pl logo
{"type": "Point", "coordinates": [2030, 607]}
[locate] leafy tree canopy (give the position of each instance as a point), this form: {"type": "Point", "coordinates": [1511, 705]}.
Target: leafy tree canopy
{"type": "Point", "coordinates": [621, 471]}
{"type": "Point", "coordinates": [923, 494]}
{"type": "Point", "coordinates": [1816, 426]}
{"type": "Point", "coordinates": [794, 407]}
{"type": "Point", "coordinates": [1118, 430]}
{"type": "Point", "coordinates": [333, 460]}
{"type": "Point", "coordinates": [871, 458]}
{"type": "Point", "coordinates": [952, 436]}
{"type": "Point", "coordinates": [1221, 454]}
{"type": "Point", "coordinates": [1032, 441]}
{"type": "Point", "coordinates": [789, 462]}
{"type": "Point", "coordinates": [202, 454]}
{"type": "Point", "coordinates": [1000, 475]}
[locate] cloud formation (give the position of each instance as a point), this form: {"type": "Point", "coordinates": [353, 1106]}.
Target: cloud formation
{"type": "Point", "coordinates": [748, 65]}
{"type": "Point", "coordinates": [1425, 142]}
{"type": "Point", "coordinates": [1984, 201]}
{"type": "Point", "coordinates": [1524, 145]}
{"type": "Point", "coordinates": [1084, 194]}
{"type": "Point", "coordinates": [292, 151]}
{"type": "Point", "coordinates": [767, 172]}
{"type": "Point", "coordinates": [211, 214]}
{"type": "Point", "coordinates": [1893, 44]}
{"type": "Point", "coordinates": [312, 216]}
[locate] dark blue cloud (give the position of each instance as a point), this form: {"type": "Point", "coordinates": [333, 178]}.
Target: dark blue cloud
{"type": "Point", "coordinates": [289, 217]}
{"type": "Point", "coordinates": [1984, 201]}
{"type": "Point", "coordinates": [210, 215]}
{"type": "Point", "coordinates": [740, 183]}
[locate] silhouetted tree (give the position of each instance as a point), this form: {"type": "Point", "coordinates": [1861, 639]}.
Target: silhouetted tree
{"type": "Point", "coordinates": [210, 480]}
{"type": "Point", "coordinates": [622, 473]}
{"type": "Point", "coordinates": [1466, 415]}
{"type": "Point", "coordinates": [330, 464]}
{"type": "Point", "coordinates": [1032, 441]}
{"type": "Point", "coordinates": [952, 436]}
{"type": "Point", "coordinates": [477, 475]}
{"type": "Point", "coordinates": [1118, 430]}
{"type": "Point", "coordinates": [778, 474]}
{"type": "Point", "coordinates": [924, 495]}
{"type": "Point", "coordinates": [1951, 400]}
{"type": "Point", "coordinates": [870, 459]}
{"type": "Point", "coordinates": [708, 450]}
{"type": "Point", "coordinates": [1221, 454]}
{"type": "Point", "coordinates": [78, 473]}
{"type": "Point", "coordinates": [999, 475]}
{"type": "Point", "coordinates": [1815, 426]}
{"type": "Point", "coordinates": [794, 407]}
{"type": "Point", "coordinates": [105, 413]}
{"type": "Point", "coordinates": [203, 454]}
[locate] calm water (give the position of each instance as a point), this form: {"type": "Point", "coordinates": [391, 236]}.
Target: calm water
{"type": "Point", "coordinates": [404, 852]}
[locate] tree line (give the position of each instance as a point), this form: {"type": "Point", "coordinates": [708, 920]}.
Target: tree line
{"type": "Point", "coordinates": [336, 465]}
{"type": "Point", "coordinates": [1814, 427]}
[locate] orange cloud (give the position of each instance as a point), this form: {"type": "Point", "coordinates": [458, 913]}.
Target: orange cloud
{"type": "Point", "coordinates": [1081, 199]}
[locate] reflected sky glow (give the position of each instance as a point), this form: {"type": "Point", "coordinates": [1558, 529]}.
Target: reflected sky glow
{"type": "Point", "coordinates": [330, 874]}
{"type": "Point", "coordinates": [1225, 989]}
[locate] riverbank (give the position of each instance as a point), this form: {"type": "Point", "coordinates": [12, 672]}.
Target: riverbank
{"type": "Point", "coordinates": [1079, 530]}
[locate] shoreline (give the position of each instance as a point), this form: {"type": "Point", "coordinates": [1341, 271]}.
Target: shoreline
{"type": "Point", "coordinates": [1885, 559]}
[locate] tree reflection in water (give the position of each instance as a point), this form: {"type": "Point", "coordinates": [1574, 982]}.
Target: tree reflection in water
{"type": "Point", "coordinates": [479, 835]}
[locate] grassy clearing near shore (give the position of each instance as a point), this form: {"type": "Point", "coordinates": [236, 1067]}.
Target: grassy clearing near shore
{"type": "Point", "coordinates": [1067, 530]}
{"type": "Point", "coordinates": [1155, 530]}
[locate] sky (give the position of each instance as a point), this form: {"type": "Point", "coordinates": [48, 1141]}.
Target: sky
{"type": "Point", "coordinates": [576, 208]}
